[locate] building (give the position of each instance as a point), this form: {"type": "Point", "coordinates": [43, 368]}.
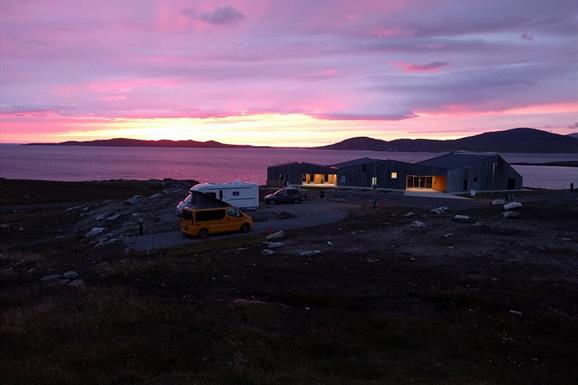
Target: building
{"type": "Point", "coordinates": [455, 172]}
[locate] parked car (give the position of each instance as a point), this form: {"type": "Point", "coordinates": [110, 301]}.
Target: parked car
{"type": "Point", "coordinates": [284, 195]}
{"type": "Point", "coordinates": [202, 222]}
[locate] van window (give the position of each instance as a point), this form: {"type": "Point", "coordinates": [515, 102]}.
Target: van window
{"type": "Point", "coordinates": [233, 212]}
{"type": "Point", "coordinates": [210, 215]}
{"type": "Point", "coordinates": [235, 193]}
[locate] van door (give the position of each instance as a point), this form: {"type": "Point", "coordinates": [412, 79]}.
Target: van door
{"type": "Point", "coordinates": [234, 219]}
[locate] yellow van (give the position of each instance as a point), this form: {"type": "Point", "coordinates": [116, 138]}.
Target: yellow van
{"type": "Point", "coordinates": [202, 222]}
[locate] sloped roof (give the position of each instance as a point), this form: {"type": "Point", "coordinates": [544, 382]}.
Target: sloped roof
{"type": "Point", "coordinates": [357, 162]}
{"type": "Point", "coordinates": [292, 163]}
{"type": "Point", "coordinates": [455, 159]}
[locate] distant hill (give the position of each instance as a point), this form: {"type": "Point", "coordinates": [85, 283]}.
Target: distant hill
{"type": "Point", "coordinates": [575, 135]}
{"type": "Point", "coordinates": [514, 140]}
{"type": "Point", "coordinates": [124, 142]}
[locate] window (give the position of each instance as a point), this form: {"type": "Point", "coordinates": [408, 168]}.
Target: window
{"type": "Point", "coordinates": [374, 181]}
{"type": "Point", "coordinates": [235, 193]}
{"type": "Point", "coordinates": [342, 179]}
{"type": "Point", "coordinates": [394, 175]}
{"type": "Point", "coordinates": [210, 215]}
{"type": "Point", "coordinates": [233, 212]}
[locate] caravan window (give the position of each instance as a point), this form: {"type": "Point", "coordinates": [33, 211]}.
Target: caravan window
{"type": "Point", "coordinates": [235, 193]}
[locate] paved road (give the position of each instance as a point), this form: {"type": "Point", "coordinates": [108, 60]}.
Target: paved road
{"type": "Point", "coordinates": [308, 213]}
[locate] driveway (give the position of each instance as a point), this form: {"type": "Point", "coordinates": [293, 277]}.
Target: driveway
{"type": "Point", "coordinates": [307, 214]}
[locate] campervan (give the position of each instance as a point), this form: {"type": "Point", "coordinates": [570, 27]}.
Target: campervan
{"type": "Point", "coordinates": [239, 194]}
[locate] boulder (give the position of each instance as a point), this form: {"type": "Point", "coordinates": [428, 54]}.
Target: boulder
{"type": "Point", "coordinates": [50, 278]}
{"type": "Point", "coordinates": [133, 200]}
{"type": "Point", "coordinates": [76, 283]}
{"type": "Point", "coordinates": [278, 235]}
{"type": "Point", "coordinates": [439, 210]}
{"type": "Point", "coordinates": [409, 214]}
{"type": "Point", "coordinates": [95, 231]}
{"type": "Point", "coordinates": [462, 219]}
{"type": "Point", "coordinates": [155, 196]}
{"type": "Point", "coordinates": [113, 217]}
{"type": "Point", "coordinates": [498, 202]}
{"type": "Point", "coordinates": [512, 206]}
{"type": "Point", "coordinates": [267, 252]}
{"type": "Point", "coordinates": [417, 224]}
{"type": "Point", "coordinates": [309, 253]}
{"type": "Point", "coordinates": [70, 275]}
{"type": "Point", "coordinates": [274, 245]}
{"type": "Point", "coordinates": [510, 214]}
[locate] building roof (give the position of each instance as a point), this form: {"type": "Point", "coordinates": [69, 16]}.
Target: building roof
{"type": "Point", "coordinates": [455, 159]}
{"type": "Point", "coordinates": [292, 163]}
{"type": "Point", "coordinates": [357, 162]}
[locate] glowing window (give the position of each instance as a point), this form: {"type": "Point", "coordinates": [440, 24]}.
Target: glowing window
{"type": "Point", "coordinates": [394, 175]}
{"type": "Point", "coordinates": [374, 181]}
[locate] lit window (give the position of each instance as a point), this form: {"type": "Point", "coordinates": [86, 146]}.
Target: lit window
{"type": "Point", "coordinates": [394, 175]}
{"type": "Point", "coordinates": [374, 181]}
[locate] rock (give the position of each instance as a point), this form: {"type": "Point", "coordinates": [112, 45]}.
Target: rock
{"type": "Point", "coordinates": [76, 283]}
{"type": "Point", "coordinates": [372, 260]}
{"type": "Point", "coordinates": [498, 202]}
{"type": "Point", "coordinates": [510, 214]}
{"type": "Point", "coordinates": [72, 208]}
{"type": "Point", "coordinates": [133, 200]}
{"type": "Point", "coordinates": [278, 235]}
{"type": "Point", "coordinates": [70, 275]}
{"type": "Point", "coordinates": [417, 224]}
{"type": "Point", "coordinates": [50, 278]}
{"type": "Point", "coordinates": [409, 214]}
{"type": "Point", "coordinates": [512, 206]}
{"type": "Point", "coordinates": [155, 196]}
{"type": "Point", "coordinates": [439, 210]}
{"type": "Point", "coordinates": [462, 219]}
{"type": "Point", "coordinates": [309, 253]}
{"type": "Point", "coordinates": [99, 218]}
{"type": "Point", "coordinates": [95, 231]}
{"type": "Point", "coordinates": [565, 239]}
{"type": "Point", "coordinates": [267, 252]}
{"type": "Point", "coordinates": [274, 245]}
{"type": "Point", "coordinates": [516, 312]}
{"type": "Point", "coordinates": [113, 217]}
{"type": "Point", "coordinates": [448, 235]}
{"type": "Point", "coordinates": [329, 243]}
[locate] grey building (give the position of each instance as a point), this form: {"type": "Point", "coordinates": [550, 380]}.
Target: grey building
{"type": "Point", "coordinates": [473, 171]}
{"type": "Point", "coordinates": [454, 173]}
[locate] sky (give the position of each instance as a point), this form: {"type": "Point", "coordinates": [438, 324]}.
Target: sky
{"type": "Point", "coordinates": [287, 73]}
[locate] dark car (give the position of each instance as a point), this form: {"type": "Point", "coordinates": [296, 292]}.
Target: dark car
{"type": "Point", "coordinates": [284, 195]}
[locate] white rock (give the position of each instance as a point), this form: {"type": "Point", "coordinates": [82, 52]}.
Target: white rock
{"type": "Point", "coordinates": [267, 252]}
{"type": "Point", "coordinates": [99, 217]}
{"type": "Point", "coordinates": [274, 245]}
{"type": "Point", "coordinates": [309, 253]}
{"type": "Point", "coordinates": [448, 235]}
{"type": "Point", "coordinates": [50, 278]}
{"type": "Point", "coordinates": [510, 214]}
{"type": "Point", "coordinates": [278, 235]}
{"type": "Point", "coordinates": [462, 218]}
{"type": "Point", "coordinates": [155, 196]}
{"type": "Point", "coordinates": [76, 283]}
{"type": "Point", "coordinates": [439, 210]}
{"type": "Point", "coordinates": [409, 214]}
{"type": "Point", "coordinates": [113, 217]}
{"type": "Point", "coordinates": [70, 275]}
{"type": "Point", "coordinates": [498, 202]}
{"type": "Point", "coordinates": [512, 206]}
{"type": "Point", "coordinates": [95, 231]}
{"type": "Point", "coordinates": [133, 200]}
{"type": "Point", "coordinates": [417, 224]}
{"type": "Point", "coordinates": [516, 312]}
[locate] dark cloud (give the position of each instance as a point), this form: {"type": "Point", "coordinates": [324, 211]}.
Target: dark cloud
{"type": "Point", "coordinates": [225, 15]}
{"type": "Point", "coordinates": [527, 36]}
{"type": "Point", "coordinates": [575, 125]}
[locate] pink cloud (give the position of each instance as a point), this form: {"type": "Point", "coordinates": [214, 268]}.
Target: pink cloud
{"type": "Point", "coordinates": [434, 66]}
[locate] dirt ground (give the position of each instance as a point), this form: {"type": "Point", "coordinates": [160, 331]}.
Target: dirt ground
{"type": "Point", "coordinates": [397, 294]}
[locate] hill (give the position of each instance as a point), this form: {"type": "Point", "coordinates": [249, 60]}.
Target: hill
{"type": "Point", "coordinates": [574, 135]}
{"type": "Point", "coordinates": [124, 142]}
{"type": "Point", "coordinates": [514, 140]}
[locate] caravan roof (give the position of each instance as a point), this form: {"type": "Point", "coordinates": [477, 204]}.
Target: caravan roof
{"type": "Point", "coordinates": [236, 184]}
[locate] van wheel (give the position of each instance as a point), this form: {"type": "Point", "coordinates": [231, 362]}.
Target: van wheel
{"type": "Point", "coordinates": [203, 233]}
{"type": "Point", "coordinates": [245, 228]}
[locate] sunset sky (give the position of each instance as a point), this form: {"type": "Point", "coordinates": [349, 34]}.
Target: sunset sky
{"type": "Point", "coordinates": [300, 73]}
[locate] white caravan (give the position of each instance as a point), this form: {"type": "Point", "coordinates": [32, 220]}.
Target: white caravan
{"type": "Point", "coordinates": [239, 194]}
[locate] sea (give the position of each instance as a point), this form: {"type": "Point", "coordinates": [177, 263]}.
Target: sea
{"type": "Point", "coordinates": [72, 163]}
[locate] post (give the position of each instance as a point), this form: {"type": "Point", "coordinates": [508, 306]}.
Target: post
{"type": "Point", "coordinates": [374, 188]}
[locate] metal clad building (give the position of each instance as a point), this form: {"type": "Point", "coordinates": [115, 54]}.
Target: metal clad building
{"type": "Point", "coordinates": [454, 172]}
